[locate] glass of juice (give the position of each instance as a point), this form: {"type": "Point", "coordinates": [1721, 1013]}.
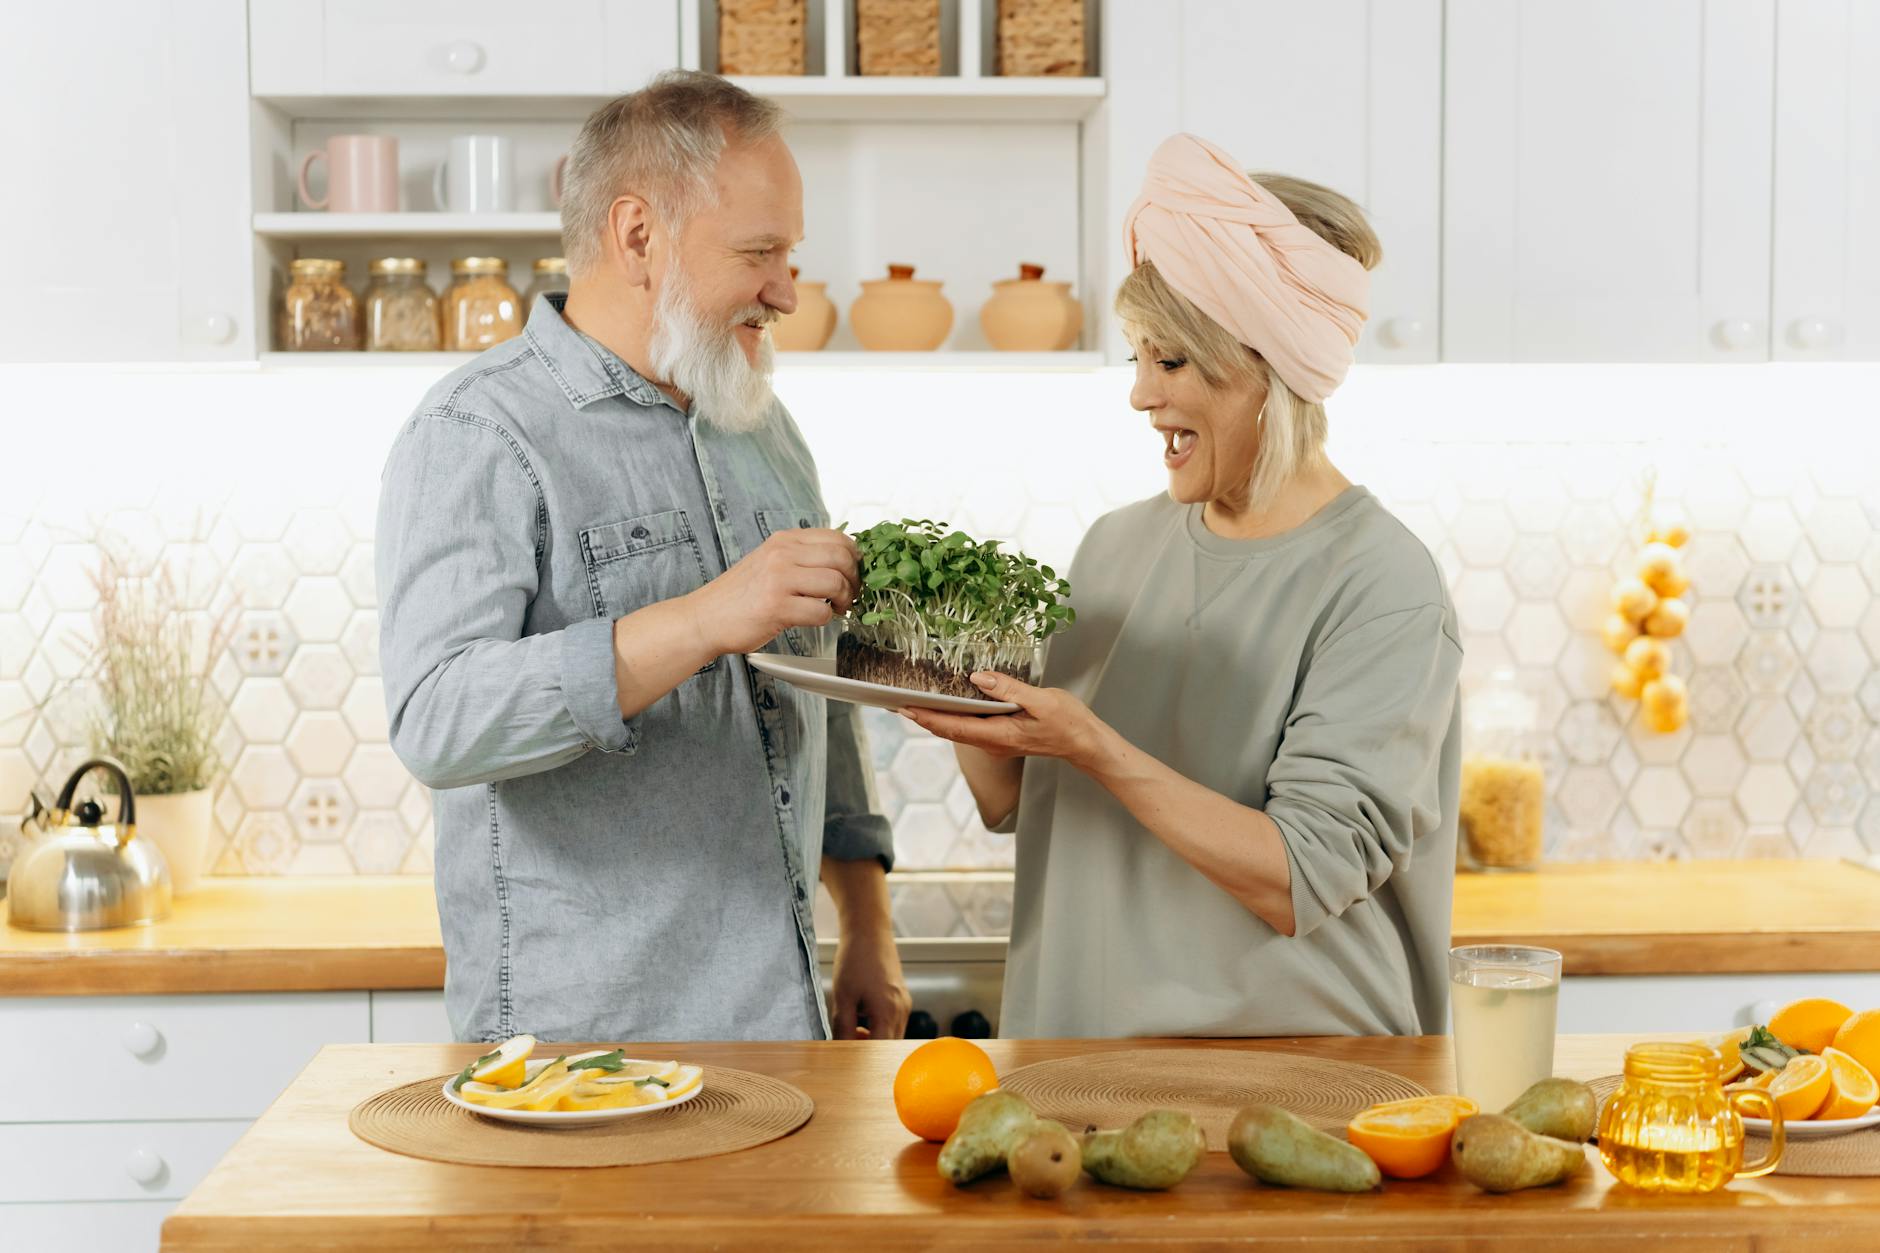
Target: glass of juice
{"type": "Point", "coordinates": [1503, 1003]}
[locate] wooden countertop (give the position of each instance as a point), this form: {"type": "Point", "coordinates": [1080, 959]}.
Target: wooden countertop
{"type": "Point", "coordinates": [853, 1178]}
{"type": "Point", "coordinates": [296, 935]}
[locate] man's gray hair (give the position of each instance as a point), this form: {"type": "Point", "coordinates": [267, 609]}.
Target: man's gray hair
{"type": "Point", "coordinates": [660, 143]}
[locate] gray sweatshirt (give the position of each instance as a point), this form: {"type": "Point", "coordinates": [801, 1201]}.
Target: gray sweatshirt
{"type": "Point", "coordinates": [1313, 675]}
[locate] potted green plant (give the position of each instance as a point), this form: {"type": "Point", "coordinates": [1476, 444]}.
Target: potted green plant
{"type": "Point", "coordinates": [156, 710]}
{"type": "Point", "coordinates": [936, 605]}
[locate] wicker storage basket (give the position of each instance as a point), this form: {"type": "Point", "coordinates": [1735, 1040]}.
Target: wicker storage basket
{"type": "Point", "coordinates": [897, 36]}
{"type": "Point", "coordinates": [1041, 38]}
{"type": "Point", "coordinates": [761, 36]}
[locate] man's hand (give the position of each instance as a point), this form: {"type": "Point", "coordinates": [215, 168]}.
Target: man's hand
{"type": "Point", "coordinates": [871, 997]}
{"type": "Point", "coordinates": [802, 578]}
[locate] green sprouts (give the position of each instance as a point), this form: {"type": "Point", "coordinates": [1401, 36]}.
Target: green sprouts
{"type": "Point", "coordinates": [939, 595]}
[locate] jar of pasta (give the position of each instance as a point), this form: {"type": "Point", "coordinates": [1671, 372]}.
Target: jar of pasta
{"type": "Point", "coordinates": [551, 275]}
{"type": "Point", "coordinates": [480, 308]}
{"type": "Point", "coordinates": [401, 308]}
{"type": "Point", "coordinates": [1504, 782]}
{"type": "Point", "coordinates": [318, 312]}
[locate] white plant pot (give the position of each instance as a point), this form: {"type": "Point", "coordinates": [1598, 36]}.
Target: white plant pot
{"type": "Point", "coordinates": [179, 825]}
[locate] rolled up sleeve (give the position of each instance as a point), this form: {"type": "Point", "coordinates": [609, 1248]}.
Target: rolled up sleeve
{"type": "Point", "coordinates": [853, 827]}
{"type": "Point", "coordinates": [470, 698]}
{"type": "Point", "coordinates": [1356, 781]}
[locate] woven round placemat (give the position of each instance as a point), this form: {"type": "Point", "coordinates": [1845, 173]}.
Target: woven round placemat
{"type": "Point", "coordinates": [1114, 1089]}
{"type": "Point", "coordinates": [737, 1110]}
{"type": "Point", "coordinates": [1855, 1154]}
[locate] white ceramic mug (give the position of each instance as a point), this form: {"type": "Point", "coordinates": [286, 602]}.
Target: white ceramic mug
{"type": "Point", "coordinates": [478, 176]}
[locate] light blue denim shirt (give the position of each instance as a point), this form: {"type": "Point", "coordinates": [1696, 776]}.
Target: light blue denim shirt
{"type": "Point", "coordinates": [599, 878]}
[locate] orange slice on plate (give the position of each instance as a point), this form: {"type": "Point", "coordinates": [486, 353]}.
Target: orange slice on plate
{"type": "Point", "coordinates": [1801, 1087]}
{"type": "Point", "coordinates": [1852, 1091]}
{"type": "Point", "coordinates": [1407, 1139]}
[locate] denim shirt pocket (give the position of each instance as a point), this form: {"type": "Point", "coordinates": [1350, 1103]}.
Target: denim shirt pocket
{"type": "Point", "coordinates": [803, 641]}
{"type": "Point", "coordinates": [639, 561]}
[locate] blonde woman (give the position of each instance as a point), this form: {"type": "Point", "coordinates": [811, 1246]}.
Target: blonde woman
{"type": "Point", "coordinates": [1235, 797]}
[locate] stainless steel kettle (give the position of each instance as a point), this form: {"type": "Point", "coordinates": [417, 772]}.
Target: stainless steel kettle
{"type": "Point", "coordinates": [84, 874]}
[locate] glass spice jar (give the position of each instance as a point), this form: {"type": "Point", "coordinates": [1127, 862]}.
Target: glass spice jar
{"type": "Point", "coordinates": [551, 275]}
{"type": "Point", "coordinates": [401, 308]}
{"type": "Point", "coordinates": [318, 312]}
{"type": "Point", "coordinates": [1504, 784]}
{"type": "Point", "coordinates": [481, 309]}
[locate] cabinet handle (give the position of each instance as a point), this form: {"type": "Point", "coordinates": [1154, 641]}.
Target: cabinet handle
{"type": "Point", "coordinates": [1401, 332]}
{"type": "Point", "coordinates": [1735, 334]}
{"type": "Point", "coordinates": [141, 1039]}
{"type": "Point", "coordinates": [212, 328]}
{"type": "Point", "coordinates": [465, 56]}
{"type": "Point", "coordinates": [144, 1166]}
{"type": "Point", "coordinates": [1811, 332]}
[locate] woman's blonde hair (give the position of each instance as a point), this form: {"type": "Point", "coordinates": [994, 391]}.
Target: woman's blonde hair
{"type": "Point", "coordinates": [1160, 320]}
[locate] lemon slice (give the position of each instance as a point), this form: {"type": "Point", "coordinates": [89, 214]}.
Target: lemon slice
{"type": "Point", "coordinates": [590, 1096]}
{"type": "Point", "coordinates": [548, 1095]}
{"type": "Point", "coordinates": [683, 1081]}
{"type": "Point", "coordinates": [635, 1071]}
{"type": "Point", "coordinates": [515, 1098]}
{"type": "Point", "coordinates": [507, 1067]}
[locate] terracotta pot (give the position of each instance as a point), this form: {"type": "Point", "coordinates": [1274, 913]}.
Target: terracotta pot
{"type": "Point", "coordinates": [179, 825]}
{"type": "Point", "coordinates": [810, 327]}
{"type": "Point", "coordinates": [901, 313]}
{"type": "Point", "coordinates": [1027, 314]}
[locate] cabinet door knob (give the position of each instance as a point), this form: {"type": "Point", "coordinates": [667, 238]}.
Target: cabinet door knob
{"type": "Point", "coordinates": [144, 1166]}
{"type": "Point", "coordinates": [1401, 332]}
{"type": "Point", "coordinates": [212, 328]}
{"type": "Point", "coordinates": [1811, 332]}
{"type": "Point", "coordinates": [465, 56]}
{"type": "Point", "coordinates": [141, 1039]}
{"type": "Point", "coordinates": [1735, 334]}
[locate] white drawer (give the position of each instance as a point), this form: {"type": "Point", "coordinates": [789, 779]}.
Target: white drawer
{"type": "Point", "coordinates": [107, 1161]}
{"type": "Point", "coordinates": [133, 1227]}
{"type": "Point", "coordinates": [191, 1057]}
{"type": "Point", "coordinates": [410, 1018]}
{"type": "Point", "coordinates": [430, 47]}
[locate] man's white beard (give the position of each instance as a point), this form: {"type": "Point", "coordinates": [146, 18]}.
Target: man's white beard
{"type": "Point", "coordinates": [707, 363]}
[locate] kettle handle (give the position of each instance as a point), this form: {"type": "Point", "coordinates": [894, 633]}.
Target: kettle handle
{"type": "Point", "coordinates": [127, 804]}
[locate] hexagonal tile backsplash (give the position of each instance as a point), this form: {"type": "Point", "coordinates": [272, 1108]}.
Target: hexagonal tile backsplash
{"type": "Point", "coordinates": [1782, 756]}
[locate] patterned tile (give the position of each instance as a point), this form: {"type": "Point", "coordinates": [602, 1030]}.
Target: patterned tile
{"type": "Point", "coordinates": [375, 777]}
{"type": "Point", "coordinates": [1837, 596]}
{"type": "Point", "coordinates": [1713, 828]}
{"type": "Point", "coordinates": [1717, 698]}
{"type": "Point", "coordinates": [364, 709]}
{"type": "Point", "coordinates": [1767, 596]}
{"type": "Point", "coordinates": [378, 842]}
{"type": "Point", "coordinates": [318, 676]}
{"type": "Point", "coordinates": [1536, 567]}
{"type": "Point", "coordinates": [1835, 727]}
{"type": "Point", "coordinates": [1838, 662]}
{"type": "Point", "coordinates": [1766, 793]}
{"type": "Point", "coordinates": [265, 844]}
{"type": "Point", "coordinates": [359, 640]}
{"type": "Point", "coordinates": [1835, 793]}
{"type": "Point", "coordinates": [1714, 764]}
{"type": "Point", "coordinates": [321, 810]}
{"type": "Point", "coordinates": [1717, 632]}
{"type": "Point", "coordinates": [320, 743]}
{"type": "Point", "coordinates": [1715, 563]}
{"type": "Point", "coordinates": [264, 642]}
{"type": "Point", "coordinates": [1768, 662]}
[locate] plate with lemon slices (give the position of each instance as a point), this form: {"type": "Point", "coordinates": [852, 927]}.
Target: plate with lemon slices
{"type": "Point", "coordinates": [570, 1090]}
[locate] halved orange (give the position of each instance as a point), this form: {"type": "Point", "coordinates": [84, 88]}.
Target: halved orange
{"type": "Point", "coordinates": [1462, 1105]}
{"type": "Point", "coordinates": [1409, 1139]}
{"type": "Point", "coordinates": [1729, 1047]}
{"type": "Point", "coordinates": [1851, 1089]}
{"type": "Point", "coordinates": [1801, 1087]}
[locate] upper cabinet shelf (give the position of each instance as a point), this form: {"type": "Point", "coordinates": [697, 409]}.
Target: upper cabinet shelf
{"type": "Point", "coordinates": [407, 225]}
{"type": "Point", "coordinates": [811, 98]}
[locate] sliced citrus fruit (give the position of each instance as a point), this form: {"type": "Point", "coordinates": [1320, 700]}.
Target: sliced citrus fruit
{"type": "Point", "coordinates": [507, 1066]}
{"type": "Point", "coordinates": [548, 1095]}
{"type": "Point", "coordinates": [1800, 1087]}
{"type": "Point", "coordinates": [1462, 1106]}
{"type": "Point", "coordinates": [1851, 1087]}
{"type": "Point", "coordinates": [1407, 1139]}
{"type": "Point", "coordinates": [515, 1098]}
{"type": "Point", "coordinates": [1729, 1046]}
{"type": "Point", "coordinates": [590, 1096]}
{"type": "Point", "coordinates": [1810, 1023]}
{"type": "Point", "coordinates": [1859, 1038]}
{"type": "Point", "coordinates": [683, 1081]}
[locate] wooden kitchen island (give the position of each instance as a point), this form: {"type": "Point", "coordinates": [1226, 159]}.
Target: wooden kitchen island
{"type": "Point", "coordinates": [852, 1178]}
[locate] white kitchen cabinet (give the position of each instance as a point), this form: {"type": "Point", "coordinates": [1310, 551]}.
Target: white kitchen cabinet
{"type": "Point", "coordinates": [127, 218]}
{"type": "Point", "coordinates": [166, 1057]}
{"type": "Point", "coordinates": [415, 48]}
{"type": "Point", "coordinates": [109, 1161]}
{"type": "Point", "coordinates": [1826, 302]}
{"type": "Point", "coordinates": [123, 1227]}
{"type": "Point", "coordinates": [1344, 92]}
{"type": "Point", "coordinates": [1607, 180]}
{"type": "Point", "coordinates": [410, 1018]}
{"type": "Point", "coordinates": [1696, 1003]}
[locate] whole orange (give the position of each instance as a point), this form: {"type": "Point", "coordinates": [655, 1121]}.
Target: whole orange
{"type": "Point", "coordinates": [1859, 1038]}
{"type": "Point", "coordinates": [935, 1083]}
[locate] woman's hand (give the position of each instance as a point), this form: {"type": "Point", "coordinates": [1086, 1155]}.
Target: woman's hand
{"type": "Point", "coordinates": [1050, 723]}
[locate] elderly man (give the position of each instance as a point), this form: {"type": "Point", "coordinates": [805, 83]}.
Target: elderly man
{"type": "Point", "coordinates": [580, 534]}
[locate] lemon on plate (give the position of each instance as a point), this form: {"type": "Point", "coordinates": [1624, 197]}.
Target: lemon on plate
{"type": "Point", "coordinates": [507, 1067]}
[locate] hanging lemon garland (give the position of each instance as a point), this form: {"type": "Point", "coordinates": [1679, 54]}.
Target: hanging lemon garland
{"type": "Point", "coordinates": [1649, 612]}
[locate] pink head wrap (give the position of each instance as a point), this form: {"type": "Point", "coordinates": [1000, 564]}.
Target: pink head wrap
{"type": "Point", "coordinates": [1231, 247]}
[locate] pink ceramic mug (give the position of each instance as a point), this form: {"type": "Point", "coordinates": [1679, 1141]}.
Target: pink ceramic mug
{"type": "Point", "coordinates": [361, 174]}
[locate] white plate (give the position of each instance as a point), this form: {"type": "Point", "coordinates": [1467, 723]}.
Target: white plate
{"type": "Point", "coordinates": [818, 675]}
{"type": "Point", "coordinates": [1814, 1130]}
{"type": "Point", "coordinates": [562, 1117]}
